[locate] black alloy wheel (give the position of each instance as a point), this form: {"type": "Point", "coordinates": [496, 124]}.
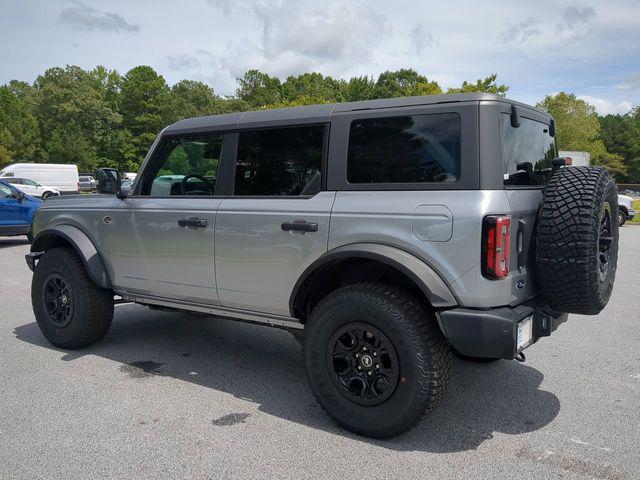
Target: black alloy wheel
{"type": "Point", "coordinates": [364, 363]}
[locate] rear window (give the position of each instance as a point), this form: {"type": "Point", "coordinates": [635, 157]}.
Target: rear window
{"type": "Point", "coordinates": [409, 149]}
{"type": "Point", "coordinates": [527, 152]}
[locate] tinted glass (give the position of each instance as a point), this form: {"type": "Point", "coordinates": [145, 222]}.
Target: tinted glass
{"type": "Point", "coordinates": [411, 149]}
{"type": "Point", "coordinates": [283, 161]}
{"type": "Point", "coordinates": [26, 181]}
{"type": "Point", "coordinates": [15, 181]}
{"type": "Point", "coordinates": [186, 165]}
{"type": "Point", "coordinates": [527, 152]}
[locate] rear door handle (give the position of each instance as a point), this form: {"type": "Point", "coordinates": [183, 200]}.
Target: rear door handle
{"type": "Point", "coordinates": [299, 226]}
{"type": "Point", "coordinates": [193, 222]}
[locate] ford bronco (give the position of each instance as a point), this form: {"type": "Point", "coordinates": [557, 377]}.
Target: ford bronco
{"type": "Point", "coordinates": [385, 234]}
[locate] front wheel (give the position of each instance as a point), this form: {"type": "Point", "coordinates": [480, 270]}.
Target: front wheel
{"type": "Point", "coordinates": [71, 311]}
{"type": "Point", "coordinates": [46, 195]}
{"type": "Point", "coordinates": [622, 218]}
{"type": "Point", "coordinates": [376, 360]}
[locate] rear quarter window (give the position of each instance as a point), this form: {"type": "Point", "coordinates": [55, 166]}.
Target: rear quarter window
{"type": "Point", "coordinates": [404, 149]}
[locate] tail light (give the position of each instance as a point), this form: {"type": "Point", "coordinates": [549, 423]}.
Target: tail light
{"type": "Point", "coordinates": [78, 186]}
{"type": "Point", "coordinates": [496, 237]}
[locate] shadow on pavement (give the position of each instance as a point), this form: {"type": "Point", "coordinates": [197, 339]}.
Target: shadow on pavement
{"type": "Point", "coordinates": [6, 242]}
{"type": "Point", "coordinates": [263, 365]}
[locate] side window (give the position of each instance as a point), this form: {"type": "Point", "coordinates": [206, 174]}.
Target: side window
{"type": "Point", "coordinates": [31, 183]}
{"type": "Point", "coordinates": [527, 152]}
{"type": "Point", "coordinates": [280, 161]}
{"type": "Point", "coordinates": [5, 191]}
{"type": "Point", "coordinates": [16, 181]}
{"type": "Point", "coordinates": [185, 165]}
{"type": "Point", "coordinates": [408, 149]}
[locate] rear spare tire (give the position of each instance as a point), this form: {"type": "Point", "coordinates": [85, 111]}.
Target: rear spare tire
{"type": "Point", "coordinates": [577, 240]}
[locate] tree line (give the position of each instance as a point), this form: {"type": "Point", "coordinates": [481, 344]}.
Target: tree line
{"type": "Point", "coordinates": [99, 117]}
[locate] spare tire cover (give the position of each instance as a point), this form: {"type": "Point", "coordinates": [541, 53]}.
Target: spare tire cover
{"type": "Point", "coordinates": [577, 240]}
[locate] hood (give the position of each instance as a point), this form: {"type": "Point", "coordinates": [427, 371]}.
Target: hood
{"type": "Point", "coordinates": [624, 199]}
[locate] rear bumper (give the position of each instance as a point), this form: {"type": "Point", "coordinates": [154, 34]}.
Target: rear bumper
{"type": "Point", "coordinates": [492, 333]}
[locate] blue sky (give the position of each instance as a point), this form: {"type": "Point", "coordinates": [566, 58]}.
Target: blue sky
{"type": "Point", "coordinates": [590, 48]}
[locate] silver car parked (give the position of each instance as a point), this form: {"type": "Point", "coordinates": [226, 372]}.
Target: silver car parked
{"type": "Point", "coordinates": [384, 234]}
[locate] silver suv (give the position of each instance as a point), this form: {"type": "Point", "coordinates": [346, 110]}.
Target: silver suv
{"type": "Point", "coordinates": [384, 234]}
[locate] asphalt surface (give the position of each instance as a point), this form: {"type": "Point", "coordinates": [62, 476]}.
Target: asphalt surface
{"type": "Point", "coordinates": [167, 395]}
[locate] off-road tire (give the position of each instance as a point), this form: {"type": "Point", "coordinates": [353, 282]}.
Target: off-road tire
{"type": "Point", "coordinates": [622, 218]}
{"type": "Point", "coordinates": [569, 239]}
{"type": "Point", "coordinates": [92, 306]}
{"type": "Point", "coordinates": [424, 357]}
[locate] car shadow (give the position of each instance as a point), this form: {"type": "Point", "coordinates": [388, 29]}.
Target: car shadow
{"type": "Point", "coordinates": [264, 365]}
{"type": "Point", "coordinates": [6, 242]}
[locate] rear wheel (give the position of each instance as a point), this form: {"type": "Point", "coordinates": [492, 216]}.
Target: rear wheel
{"type": "Point", "coordinates": [577, 240]}
{"type": "Point", "coordinates": [46, 195]}
{"type": "Point", "coordinates": [375, 358]}
{"type": "Point", "coordinates": [71, 311]}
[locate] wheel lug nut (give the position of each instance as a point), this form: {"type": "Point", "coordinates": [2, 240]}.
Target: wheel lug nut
{"type": "Point", "coordinates": [357, 355]}
{"type": "Point", "coordinates": [369, 373]}
{"type": "Point", "coordinates": [377, 366]}
{"type": "Point", "coordinates": [375, 354]}
{"type": "Point", "coordinates": [359, 367]}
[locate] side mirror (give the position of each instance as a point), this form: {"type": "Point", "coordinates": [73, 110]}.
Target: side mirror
{"type": "Point", "coordinates": [108, 181]}
{"type": "Point", "coordinates": [19, 195]}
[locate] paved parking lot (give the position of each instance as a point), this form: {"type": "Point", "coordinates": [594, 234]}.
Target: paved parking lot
{"type": "Point", "coordinates": [167, 395]}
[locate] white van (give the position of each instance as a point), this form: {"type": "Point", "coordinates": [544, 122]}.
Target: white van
{"type": "Point", "coordinates": [62, 177]}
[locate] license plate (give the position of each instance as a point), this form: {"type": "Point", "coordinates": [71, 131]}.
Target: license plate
{"type": "Point", "coordinates": [524, 332]}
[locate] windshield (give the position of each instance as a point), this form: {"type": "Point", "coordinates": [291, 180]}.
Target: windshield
{"type": "Point", "coordinates": [527, 152]}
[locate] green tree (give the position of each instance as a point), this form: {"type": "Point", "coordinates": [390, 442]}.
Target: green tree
{"type": "Point", "coordinates": [146, 107]}
{"type": "Point", "coordinates": [74, 114]}
{"type": "Point", "coordinates": [358, 88]}
{"type": "Point", "coordinates": [19, 135]}
{"type": "Point", "coordinates": [621, 136]}
{"type": "Point", "coordinates": [486, 85]}
{"type": "Point", "coordinates": [402, 83]}
{"type": "Point", "coordinates": [193, 99]}
{"type": "Point", "coordinates": [259, 90]}
{"type": "Point", "coordinates": [577, 125]}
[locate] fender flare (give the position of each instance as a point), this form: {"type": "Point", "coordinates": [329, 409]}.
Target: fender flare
{"type": "Point", "coordinates": [83, 246]}
{"type": "Point", "coordinates": [426, 278]}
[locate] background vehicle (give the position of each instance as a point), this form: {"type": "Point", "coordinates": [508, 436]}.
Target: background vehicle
{"type": "Point", "coordinates": [62, 177]}
{"type": "Point", "coordinates": [625, 209]}
{"type": "Point", "coordinates": [16, 211]}
{"type": "Point", "coordinates": [31, 187]}
{"type": "Point", "coordinates": [578, 159]}
{"type": "Point", "coordinates": [87, 183]}
{"type": "Point", "coordinates": [384, 234]}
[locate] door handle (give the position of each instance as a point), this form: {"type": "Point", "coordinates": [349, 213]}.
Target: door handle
{"type": "Point", "coordinates": [193, 222]}
{"type": "Point", "coordinates": [299, 226]}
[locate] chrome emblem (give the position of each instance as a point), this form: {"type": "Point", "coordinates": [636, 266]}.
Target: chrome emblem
{"type": "Point", "coordinates": [107, 219]}
{"type": "Point", "coordinates": [520, 284]}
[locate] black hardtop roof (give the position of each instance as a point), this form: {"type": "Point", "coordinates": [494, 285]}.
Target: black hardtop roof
{"type": "Point", "coordinates": [320, 113]}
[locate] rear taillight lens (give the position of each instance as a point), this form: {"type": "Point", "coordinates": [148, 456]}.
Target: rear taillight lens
{"type": "Point", "coordinates": [496, 237]}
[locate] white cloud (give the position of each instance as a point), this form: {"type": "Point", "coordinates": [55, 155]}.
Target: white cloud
{"type": "Point", "coordinates": [606, 107]}
{"type": "Point", "coordinates": [84, 17]}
